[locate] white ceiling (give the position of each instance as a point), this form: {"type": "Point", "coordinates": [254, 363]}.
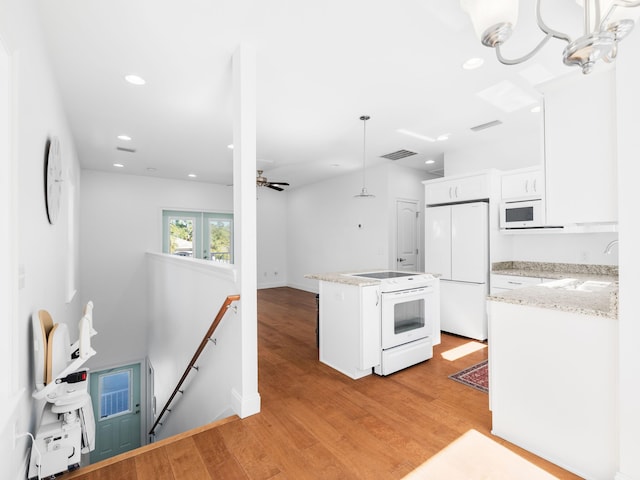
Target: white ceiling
{"type": "Point", "coordinates": [320, 66]}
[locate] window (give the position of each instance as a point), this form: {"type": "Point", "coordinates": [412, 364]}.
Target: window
{"type": "Point", "coordinates": [203, 235]}
{"type": "Point", "coordinates": [115, 394]}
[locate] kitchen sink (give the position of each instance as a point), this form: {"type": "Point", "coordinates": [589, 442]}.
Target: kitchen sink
{"type": "Point", "coordinates": [577, 285]}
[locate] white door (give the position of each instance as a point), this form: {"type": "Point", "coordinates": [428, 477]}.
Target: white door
{"type": "Point", "coordinates": [407, 236]}
{"type": "Point", "coordinates": [115, 394]}
{"type": "Point", "coordinates": [469, 242]}
{"type": "Point", "coordinates": [438, 241]}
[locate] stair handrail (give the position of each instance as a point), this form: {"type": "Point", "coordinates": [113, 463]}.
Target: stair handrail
{"type": "Point", "coordinates": [223, 309]}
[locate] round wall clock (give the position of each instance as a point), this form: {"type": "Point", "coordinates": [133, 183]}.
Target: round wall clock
{"type": "Point", "coordinates": [53, 180]}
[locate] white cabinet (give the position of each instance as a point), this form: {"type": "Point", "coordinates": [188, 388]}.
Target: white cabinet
{"type": "Point", "coordinates": [553, 383]}
{"type": "Point", "coordinates": [580, 149]}
{"type": "Point", "coordinates": [523, 184]}
{"type": "Point", "coordinates": [349, 327]}
{"type": "Point", "coordinates": [458, 189]}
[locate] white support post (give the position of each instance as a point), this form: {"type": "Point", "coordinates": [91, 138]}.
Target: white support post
{"type": "Point", "coordinates": [246, 397]}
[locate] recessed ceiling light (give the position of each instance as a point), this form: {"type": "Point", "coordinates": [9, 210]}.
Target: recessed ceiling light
{"type": "Point", "coordinates": [429, 162]}
{"type": "Point", "coordinates": [473, 63]}
{"type": "Point", "coordinates": [126, 138]}
{"type": "Point", "coordinates": [230, 146]}
{"type": "Point", "coordinates": [135, 79]}
{"type": "Point", "coordinates": [443, 137]}
{"type": "Point", "coordinates": [335, 165]}
{"type": "Point", "coordinates": [415, 135]}
{"type": "Point", "coordinates": [193, 175]}
{"type": "Point", "coordinates": [151, 169]}
{"type": "Point", "coordinates": [118, 165]}
{"type": "Point", "coordinates": [536, 109]}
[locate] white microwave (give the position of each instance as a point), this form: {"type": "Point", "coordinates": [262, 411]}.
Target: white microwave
{"type": "Point", "coordinates": [523, 214]}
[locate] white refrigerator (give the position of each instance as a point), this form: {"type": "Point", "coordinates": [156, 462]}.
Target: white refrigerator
{"type": "Point", "coordinates": [457, 248]}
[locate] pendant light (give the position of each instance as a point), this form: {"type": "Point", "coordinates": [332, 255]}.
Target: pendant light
{"type": "Point", "coordinates": [363, 193]}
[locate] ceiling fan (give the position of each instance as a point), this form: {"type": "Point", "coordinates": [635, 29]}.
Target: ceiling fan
{"type": "Point", "coordinates": [263, 182]}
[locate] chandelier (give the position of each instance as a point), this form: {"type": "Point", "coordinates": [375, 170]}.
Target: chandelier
{"type": "Point", "coordinates": [606, 22]}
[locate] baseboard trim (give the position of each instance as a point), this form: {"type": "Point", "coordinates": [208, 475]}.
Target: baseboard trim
{"type": "Point", "coordinates": [302, 287]}
{"type": "Point", "coordinates": [245, 406]}
{"type": "Point", "coordinates": [541, 454]}
{"type": "Point", "coordinates": [271, 285]}
{"type": "Point", "coordinates": [622, 476]}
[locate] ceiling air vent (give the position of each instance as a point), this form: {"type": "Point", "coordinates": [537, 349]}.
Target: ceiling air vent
{"type": "Point", "coordinates": [494, 123]}
{"type": "Point", "coordinates": [399, 154]}
{"type": "Point", "coordinates": [128, 150]}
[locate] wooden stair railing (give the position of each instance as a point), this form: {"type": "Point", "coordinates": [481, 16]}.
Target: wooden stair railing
{"type": "Point", "coordinates": [223, 309]}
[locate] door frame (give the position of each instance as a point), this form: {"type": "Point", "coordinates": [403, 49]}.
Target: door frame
{"type": "Point", "coordinates": [143, 391]}
{"type": "Point", "coordinates": [419, 234]}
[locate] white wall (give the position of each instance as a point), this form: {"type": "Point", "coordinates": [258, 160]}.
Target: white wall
{"type": "Point", "coordinates": [272, 238]}
{"type": "Point", "coordinates": [42, 252]}
{"type": "Point", "coordinates": [120, 221]}
{"type": "Point", "coordinates": [331, 231]}
{"type": "Point", "coordinates": [184, 297]}
{"type": "Point", "coordinates": [513, 151]}
{"type": "Point", "coordinates": [565, 248]}
{"type": "Point", "coordinates": [628, 79]}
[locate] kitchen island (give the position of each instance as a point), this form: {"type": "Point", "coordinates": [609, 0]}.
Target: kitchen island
{"type": "Point", "coordinates": [376, 321]}
{"type": "Point", "coordinates": [553, 368]}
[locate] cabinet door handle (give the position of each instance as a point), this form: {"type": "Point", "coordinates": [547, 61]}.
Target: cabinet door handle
{"type": "Point", "coordinates": [514, 283]}
{"type": "Point", "coordinates": [450, 191]}
{"type": "Point", "coordinates": [526, 186]}
{"type": "Point", "coordinates": [535, 189]}
{"type": "Point", "coordinates": [377, 298]}
{"type": "Point", "coordinates": [456, 191]}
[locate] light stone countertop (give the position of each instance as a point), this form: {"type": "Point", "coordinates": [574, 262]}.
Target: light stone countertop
{"type": "Point", "coordinates": [344, 278]}
{"type": "Point", "coordinates": [589, 298]}
{"type": "Point", "coordinates": [347, 278]}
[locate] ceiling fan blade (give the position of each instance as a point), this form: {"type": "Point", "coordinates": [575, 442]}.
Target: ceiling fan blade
{"type": "Point", "coordinates": [280, 183]}
{"type": "Point", "coordinates": [274, 187]}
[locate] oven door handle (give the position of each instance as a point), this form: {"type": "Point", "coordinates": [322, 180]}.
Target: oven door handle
{"type": "Point", "coordinates": [408, 293]}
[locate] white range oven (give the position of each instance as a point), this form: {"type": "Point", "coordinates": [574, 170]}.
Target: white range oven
{"type": "Point", "coordinates": [410, 304]}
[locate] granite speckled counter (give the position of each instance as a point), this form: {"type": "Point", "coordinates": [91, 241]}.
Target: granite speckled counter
{"type": "Point", "coordinates": [345, 278]}
{"type": "Point", "coordinates": [586, 289]}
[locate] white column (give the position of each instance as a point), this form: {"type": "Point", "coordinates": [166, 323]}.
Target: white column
{"type": "Point", "coordinates": [628, 103]}
{"type": "Point", "coordinates": [246, 397]}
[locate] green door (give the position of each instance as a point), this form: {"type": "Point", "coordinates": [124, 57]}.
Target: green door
{"type": "Point", "coordinates": [115, 394]}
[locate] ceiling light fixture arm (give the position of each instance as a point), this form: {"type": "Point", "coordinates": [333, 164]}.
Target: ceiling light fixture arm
{"type": "Point", "coordinates": [548, 31]}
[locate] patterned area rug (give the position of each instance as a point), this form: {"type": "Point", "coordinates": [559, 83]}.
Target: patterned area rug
{"type": "Point", "coordinates": [476, 376]}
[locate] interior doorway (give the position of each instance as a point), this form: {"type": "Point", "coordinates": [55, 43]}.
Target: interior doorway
{"type": "Point", "coordinates": [407, 236]}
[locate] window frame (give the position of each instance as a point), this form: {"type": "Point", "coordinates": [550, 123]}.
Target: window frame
{"type": "Point", "coordinates": [201, 231]}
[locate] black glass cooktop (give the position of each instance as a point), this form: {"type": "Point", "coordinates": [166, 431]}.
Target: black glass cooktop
{"type": "Point", "coordinates": [385, 274]}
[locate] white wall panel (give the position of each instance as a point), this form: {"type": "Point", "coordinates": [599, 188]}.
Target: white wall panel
{"type": "Point", "coordinates": [120, 221]}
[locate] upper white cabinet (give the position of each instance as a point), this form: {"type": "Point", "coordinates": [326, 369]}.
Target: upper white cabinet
{"type": "Point", "coordinates": [523, 184]}
{"type": "Point", "coordinates": [580, 149]}
{"type": "Point", "coordinates": [458, 189]}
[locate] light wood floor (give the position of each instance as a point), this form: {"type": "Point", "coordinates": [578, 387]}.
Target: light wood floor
{"type": "Point", "coordinates": [318, 423]}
